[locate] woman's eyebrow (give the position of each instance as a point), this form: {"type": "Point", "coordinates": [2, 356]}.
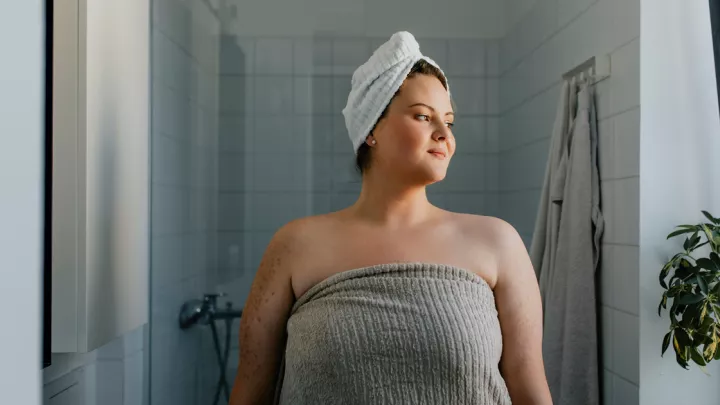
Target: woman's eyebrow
{"type": "Point", "coordinates": [425, 105]}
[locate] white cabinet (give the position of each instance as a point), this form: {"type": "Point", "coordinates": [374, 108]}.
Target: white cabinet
{"type": "Point", "coordinates": [101, 177]}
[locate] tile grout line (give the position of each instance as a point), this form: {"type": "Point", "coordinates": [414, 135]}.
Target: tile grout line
{"type": "Point", "coordinates": [620, 310]}
{"type": "Point", "coordinates": [615, 373]}
{"type": "Point", "coordinates": [543, 90]}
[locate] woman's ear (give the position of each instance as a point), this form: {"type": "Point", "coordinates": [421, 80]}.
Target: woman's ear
{"type": "Point", "coordinates": [370, 140]}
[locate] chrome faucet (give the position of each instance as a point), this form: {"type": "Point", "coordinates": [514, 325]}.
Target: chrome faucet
{"type": "Point", "coordinates": [205, 312]}
{"type": "Point", "coordinates": [198, 311]}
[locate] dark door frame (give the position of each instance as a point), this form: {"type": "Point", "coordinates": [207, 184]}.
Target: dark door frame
{"type": "Point", "coordinates": [47, 189]}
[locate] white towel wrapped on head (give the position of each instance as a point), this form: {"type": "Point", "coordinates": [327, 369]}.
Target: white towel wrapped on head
{"type": "Point", "coordinates": [376, 81]}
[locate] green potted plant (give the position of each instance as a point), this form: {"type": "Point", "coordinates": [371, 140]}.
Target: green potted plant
{"type": "Point", "coordinates": [694, 290]}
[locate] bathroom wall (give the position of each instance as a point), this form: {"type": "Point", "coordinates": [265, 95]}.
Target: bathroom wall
{"type": "Point", "coordinates": [550, 37]}
{"type": "Point", "coordinates": [284, 149]}
{"type": "Point", "coordinates": [22, 134]}
{"type": "Point", "coordinates": [368, 18]}
{"type": "Point", "coordinates": [184, 192]}
{"type": "Point", "coordinates": [115, 374]}
{"type": "Point", "coordinates": [679, 118]}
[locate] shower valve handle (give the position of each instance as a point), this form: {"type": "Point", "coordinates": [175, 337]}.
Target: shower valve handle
{"type": "Point", "coordinates": [211, 300]}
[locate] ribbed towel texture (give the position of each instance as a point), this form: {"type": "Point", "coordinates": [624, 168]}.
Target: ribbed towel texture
{"type": "Point", "coordinates": [403, 333]}
{"type": "Point", "coordinates": [376, 81]}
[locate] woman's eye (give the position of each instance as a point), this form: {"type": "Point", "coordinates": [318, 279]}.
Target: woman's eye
{"type": "Point", "coordinates": [450, 124]}
{"type": "Point", "coordinates": [422, 117]}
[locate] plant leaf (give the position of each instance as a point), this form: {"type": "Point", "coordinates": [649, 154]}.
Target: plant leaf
{"type": "Point", "coordinates": [710, 350]}
{"type": "Point", "coordinates": [686, 245]}
{"type": "Point", "coordinates": [707, 231]}
{"type": "Point", "coordinates": [702, 284]}
{"type": "Point", "coordinates": [703, 313]}
{"type": "Point", "coordinates": [711, 218]}
{"type": "Point", "coordinates": [663, 303]}
{"type": "Point", "coordinates": [706, 263]}
{"type": "Point", "coordinates": [683, 339]}
{"type": "Point", "coordinates": [680, 232]}
{"type": "Point", "coordinates": [690, 299]}
{"type": "Point", "coordinates": [672, 313]}
{"type": "Point", "coordinates": [663, 274]}
{"type": "Point", "coordinates": [681, 361]}
{"type": "Point", "coordinates": [692, 312]}
{"type": "Point", "coordinates": [715, 259]}
{"type": "Point", "coordinates": [666, 343]}
{"type": "Point", "coordinates": [694, 240]}
{"type": "Point", "coordinates": [697, 357]}
{"type": "Point", "coordinates": [679, 352]}
{"type": "Point", "coordinates": [675, 290]}
{"type": "Point", "coordinates": [682, 272]}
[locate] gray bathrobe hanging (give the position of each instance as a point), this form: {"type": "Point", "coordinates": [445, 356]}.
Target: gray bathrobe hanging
{"type": "Point", "coordinates": [566, 248]}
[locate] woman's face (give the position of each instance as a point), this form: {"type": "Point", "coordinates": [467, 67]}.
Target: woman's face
{"type": "Point", "coordinates": [415, 139]}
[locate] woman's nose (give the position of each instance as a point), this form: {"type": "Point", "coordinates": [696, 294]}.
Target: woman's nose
{"type": "Point", "coordinates": [441, 133]}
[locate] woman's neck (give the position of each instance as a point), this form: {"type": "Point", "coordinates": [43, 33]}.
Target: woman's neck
{"type": "Point", "coordinates": [390, 203]}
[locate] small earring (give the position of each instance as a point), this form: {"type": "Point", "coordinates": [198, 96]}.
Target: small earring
{"type": "Point", "coordinates": [374, 142]}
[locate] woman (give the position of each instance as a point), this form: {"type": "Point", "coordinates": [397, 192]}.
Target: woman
{"type": "Point", "coordinates": [393, 300]}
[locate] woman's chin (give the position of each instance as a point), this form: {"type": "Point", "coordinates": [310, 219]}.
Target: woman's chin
{"type": "Point", "coordinates": [435, 176]}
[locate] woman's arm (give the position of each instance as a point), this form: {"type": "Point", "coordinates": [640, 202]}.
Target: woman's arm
{"type": "Point", "coordinates": [262, 327]}
{"type": "Point", "coordinates": [520, 311]}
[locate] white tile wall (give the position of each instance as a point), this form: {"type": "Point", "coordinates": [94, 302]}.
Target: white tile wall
{"type": "Point", "coordinates": [626, 144]}
{"type": "Point", "coordinates": [313, 95]}
{"type": "Point", "coordinates": [466, 58]}
{"type": "Point", "coordinates": [492, 173]}
{"type": "Point", "coordinates": [341, 90]}
{"type": "Point", "coordinates": [570, 9]}
{"type": "Point", "coordinates": [234, 133]}
{"type": "Point", "coordinates": [608, 388]}
{"type": "Point", "coordinates": [316, 133]}
{"type": "Point", "coordinates": [274, 56]}
{"type": "Point", "coordinates": [625, 392]}
{"type": "Point", "coordinates": [493, 96]}
{"type": "Point", "coordinates": [435, 49]}
{"type": "Point", "coordinates": [493, 135]}
{"type": "Point", "coordinates": [519, 208]}
{"type": "Point", "coordinates": [469, 95]}
{"type": "Point", "coordinates": [621, 201]}
{"type": "Point", "coordinates": [350, 53]}
{"type": "Point", "coordinates": [273, 95]}
{"type": "Point", "coordinates": [552, 37]}
{"type": "Point", "coordinates": [625, 86]}
{"type": "Point", "coordinates": [625, 346]}
{"type": "Point", "coordinates": [237, 55]}
{"type": "Point", "coordinates": [274, 133]}
{"type": "Point", "coordinates": [113, 374]}
{"type": "Point", "coordinates": [188, 129]}
{"type": "Point", "coordinates": [313, 56]}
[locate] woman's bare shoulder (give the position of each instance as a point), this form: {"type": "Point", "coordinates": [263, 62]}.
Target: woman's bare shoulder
{"type": "Point", "coordinates": [309, 226]}
{"type": "Point", "coordinates": [495, 233]}
{"type": "Point", "coordinates": [482, 226]}
{"type": "Point", "coordinates": [304, 236]}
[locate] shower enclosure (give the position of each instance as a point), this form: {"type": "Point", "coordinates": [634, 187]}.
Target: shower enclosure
{"type": "Point", "coordinates": [247, 134]}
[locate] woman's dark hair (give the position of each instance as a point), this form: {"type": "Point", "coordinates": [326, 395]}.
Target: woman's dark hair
{"type": "Point", "coordinates": [422, 67]}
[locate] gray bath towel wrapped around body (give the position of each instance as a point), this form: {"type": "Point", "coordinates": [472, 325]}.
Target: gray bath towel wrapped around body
{"type": "Point", "coordinates": [409, 333]}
